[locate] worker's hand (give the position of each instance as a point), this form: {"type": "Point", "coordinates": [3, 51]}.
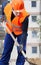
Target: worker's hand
{"type": "Point", "coordinates": [20, 47]}
{"type": "Point", "coordinates": [10, 24]}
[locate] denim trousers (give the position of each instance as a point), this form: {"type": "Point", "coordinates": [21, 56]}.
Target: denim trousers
{"type": "Point", "coordinates": [8, 46]}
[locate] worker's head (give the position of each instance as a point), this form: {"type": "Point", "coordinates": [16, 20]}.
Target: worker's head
{"type": "Point", "coordinates": [18, 5]}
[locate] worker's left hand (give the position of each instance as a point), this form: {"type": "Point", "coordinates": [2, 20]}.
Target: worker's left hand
{"type": "Point", "coordinates": [20, 48]}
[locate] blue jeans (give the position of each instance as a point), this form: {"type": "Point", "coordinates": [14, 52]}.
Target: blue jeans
{"type": "Point", "coordinates": [8, 46]}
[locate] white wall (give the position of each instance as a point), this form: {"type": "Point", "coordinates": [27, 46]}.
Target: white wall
{"type": "Point", "coordinates": [32, 9]}
{"type": "Point", "coordinates": [31, 23]}
{"type": "Point", "coordinates": [31, 39]}
{"type": "Point", "coordinates": [29, 51]}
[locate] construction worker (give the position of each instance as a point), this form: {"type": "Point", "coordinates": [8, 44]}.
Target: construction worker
{"type": "Point", "coordinates": [17, 23]}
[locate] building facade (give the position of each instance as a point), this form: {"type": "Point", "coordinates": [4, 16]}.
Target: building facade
{"type": "Point", "coordinates": [33, 39]}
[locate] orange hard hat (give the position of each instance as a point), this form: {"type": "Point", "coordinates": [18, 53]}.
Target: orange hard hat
{"type": "Point", "coordinates": [17, 5]}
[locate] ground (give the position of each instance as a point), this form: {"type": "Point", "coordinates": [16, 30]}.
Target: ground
{"type": "Point", "coordinates": [36, 61]}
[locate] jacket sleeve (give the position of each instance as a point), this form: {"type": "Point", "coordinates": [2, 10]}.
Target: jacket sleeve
{"type": "Point", "coordinates": [25, 25]}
